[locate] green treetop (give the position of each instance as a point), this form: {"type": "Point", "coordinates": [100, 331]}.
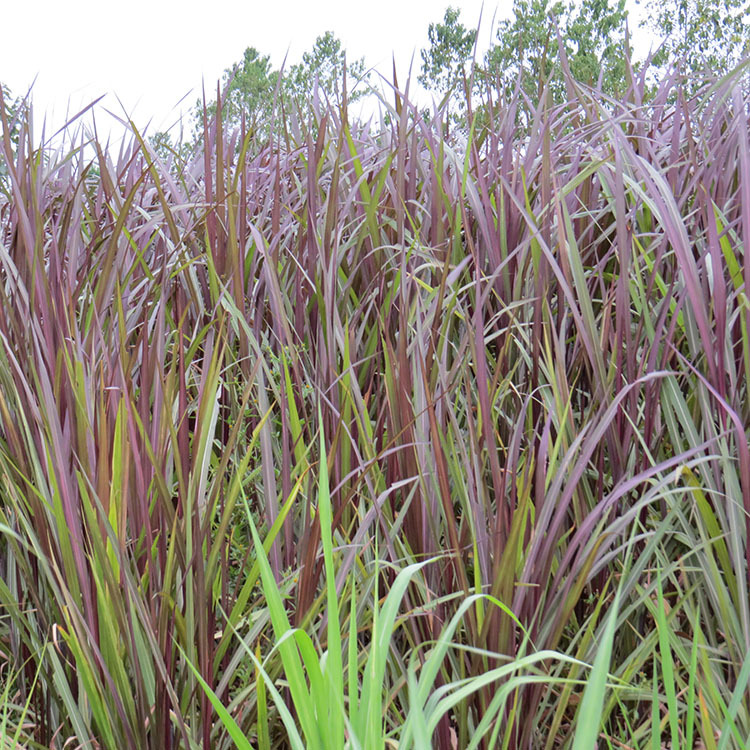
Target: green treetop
{"type": "Point", "coordinates": [713, 34]}
{"type": "Point", "coordinates": [251, 85]}
{"type": "Point", "coordinates": [592, 33]}
{"type": "Point", "coordinates": [325, 64]}
{"type": "Point", "coordinates": [451, 45]}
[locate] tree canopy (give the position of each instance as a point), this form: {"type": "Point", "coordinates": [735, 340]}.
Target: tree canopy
{"type": "Point", "coordinates": [592, 32]}
{"type": "Point", "coordinates": [697, 33]}
{"type": "Point", "coordinates": [704, 33]}
{"type": "Point", "coordinates": [13, 105]}
{"type": "Point", "coordinates": [451, 45]}
{"type": "Point", "coordinates": [525, 51]}
{"type": "Point", "coordinates": [14, 110]}
{"type": "Point", "coordinates": [252, 84]}
{"type": "Point", "coordinates": [324, 65]}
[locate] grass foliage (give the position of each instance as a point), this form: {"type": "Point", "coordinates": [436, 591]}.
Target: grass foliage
{"type": "Point", "coordinates": [364, 436]}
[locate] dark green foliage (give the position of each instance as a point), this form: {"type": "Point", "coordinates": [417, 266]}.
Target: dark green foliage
{"type": "Point", "coordinates": [451, 46]}
{"type": "Point", "coordinates": [701, 34]}
{"type": "Point", "coordinates": [253, 87]}
{"type": "Point", "coordinates": [324, 66]}
{"type": "Point", "coordinates": [14, 112]}
{"type": "Point", "coordinates": [249, 90]}
{"type": "Point", "coordinates": [592, 34]}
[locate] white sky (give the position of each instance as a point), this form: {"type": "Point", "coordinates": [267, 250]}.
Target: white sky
{"type": "Point", "coordinates": [152, 53]}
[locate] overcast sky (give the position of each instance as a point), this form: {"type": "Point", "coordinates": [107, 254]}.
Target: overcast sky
{"type": "Point", "coordinates": [152, 53]}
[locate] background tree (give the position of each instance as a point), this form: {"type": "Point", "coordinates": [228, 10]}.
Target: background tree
{"type": "Point", "coordinates": [13, 111]}
{"type": "Point", "coordinates": [251, 84]}
{"type": "Point", "coordinates": [451, 45]}
{"type": "Point", "coordinates": [444, 62]}
{"type": "Point", "coordinates": [593, 35]}
{"type": "Point", "coordinates": [700, 34]}
{"type": "Point", "coordinates": [325, 64]}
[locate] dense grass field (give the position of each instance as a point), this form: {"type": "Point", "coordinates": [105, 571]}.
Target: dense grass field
{"type": "Point", "coordinates": [372, 436]}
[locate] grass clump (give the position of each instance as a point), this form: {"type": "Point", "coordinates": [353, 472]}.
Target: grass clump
{"type": "Point", "coordinates": [363, 436]}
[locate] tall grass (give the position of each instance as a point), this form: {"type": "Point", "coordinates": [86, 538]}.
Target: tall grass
{"type": "Point", "coordinates": [366, 437]}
